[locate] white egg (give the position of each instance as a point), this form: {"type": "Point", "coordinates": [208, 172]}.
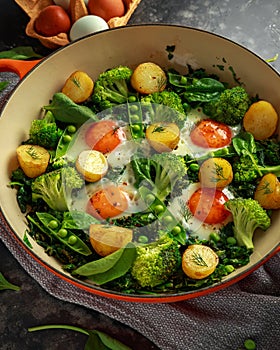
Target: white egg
{"type": "Point", "coordinates": [65, 3]}
{"type": "Point", "coordinates": [186, 145]}
{"type": "Point", "coordinates": [87, 25]}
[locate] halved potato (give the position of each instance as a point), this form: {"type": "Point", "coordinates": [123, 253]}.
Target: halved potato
{"type": "Point", "coordinates": [268, 192]}
{"type": "Point", "coordinates": [106, 239]}
{"type": "Point", "coordinates": [148, 77]}
{"type": "Point", "coordinates": [78, 87]}
{"type": "Point", "coordinates": [215, 173]}
{"type": "Point", "coordinates": [33, 159]}
{"type": "Point", "coordinates": [261, 120]}
{"type": "Point", "coordinates": [163, 137]}
{"type": "Point", "coordinates": [199, 261]}
{"type": "Point", "coordinates": [92, 165]}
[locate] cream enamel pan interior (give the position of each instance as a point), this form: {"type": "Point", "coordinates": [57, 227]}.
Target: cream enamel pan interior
{"type": "Point", "coordinates": [129, 46]}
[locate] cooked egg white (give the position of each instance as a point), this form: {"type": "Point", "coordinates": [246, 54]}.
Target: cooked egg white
{"type": "Point", "coordinates": [121, 156]}
{"type": "Point", "coordinates": [186, 146]}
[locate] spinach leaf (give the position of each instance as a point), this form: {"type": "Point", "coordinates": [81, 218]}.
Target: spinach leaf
{"type": "Point", "coordinates": [77, 220]}
{"type": "Point", "coordinates": [109, 342]}
{"type": "Point", "coordinates": [20, 53]}
{"type": "Point", "coordinates": [67, 111]}
{"type": "Point", "coordinates": [3, 85]}
{"type": "Point", "coordinates": [244, 144]}
{"type": "Point", "coordinates": [97, 340]}
{"type": "Point", "coordinates": [197, 90]}
{"type": "Point", "coordinates": [4, 284]}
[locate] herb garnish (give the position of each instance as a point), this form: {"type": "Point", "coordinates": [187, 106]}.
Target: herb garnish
{"type": "Point", "coordinates": [33, 153]}
{"type": "Point", "coordinates": [198, 260]}
{"type": "Point", "coordinates": [158, 129]}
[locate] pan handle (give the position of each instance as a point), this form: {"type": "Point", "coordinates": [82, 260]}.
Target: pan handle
{"type": "Point", "coordinates": [20, 67]}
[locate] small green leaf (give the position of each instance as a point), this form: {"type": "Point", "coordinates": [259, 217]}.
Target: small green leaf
{"type": "Point", "coordinates": [26, 241]}
{"type": "Point", "coordinates": [272, 59]}
{"type": "Point", "coordinates": [94, 342]}
{"type": "Point", "coordinates": [97, 340]}
{"type": "Point", "coordinates": [4, 284]}
{"type": "Point", "coordinates": [3, 85]}
{"type": "Point", "coordinates": [20, 53]}
{"type": "Point", "coordinates": [67, 111]}
{"type": "Point", "coordinates": [77, 220]}
{"type": "Point", "coordinates": [111, 343]}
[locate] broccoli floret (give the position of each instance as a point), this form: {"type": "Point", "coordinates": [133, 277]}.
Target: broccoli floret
{"type": "Point", "coordinates": [247, 169]}
{"type": "Point", "coordinates": [55, 187]}
{"type": "Point", "coordinates": [169, 168]}
{"type": "Point", "coordinates": [45, 132]}
{"type": "Point", "coordinates": [248, 215]}
{"type": "Point", "coordinates": [230, 107]}
{"type": "Point", "coordinates": [160, 172]}
{"type": "Point", "coordinates": [157, 103]}
{"type": "Point", "coordinates": [156, 262]}
{"type": "Point", "coordinates": [112, 87]}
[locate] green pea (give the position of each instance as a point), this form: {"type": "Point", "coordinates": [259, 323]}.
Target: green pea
{"type": "Point", "coordinates": [53, 224]}
{"type": "Point", "coordinates": [167, 219]}
{"type": "Point", "coordinates": [67, 138]}
{"type": "Point", "coordinates": [183, 80]}
{"type": "Point", "coordinates": [143, 239]}
{"type": "Point", "coordinates": [133, 108]}
{"type": "Point", "coordinates": [71, 129]}
{"type": "Point", "coordinates": [214, 236]}
{"type": "Point", "coordinates": [231, 241]}
{"type": "Point", "coordinates": [229, 268]}
{"type": "Point", "coordinates": [150, 198]}
{"type": "Point", "coordinates": [62, 233]}
{"type": "Point", "coordinates": [176, 230]}
{"type": "Point", "coordinates": [159, 208]}
{"type": "Point", "coordinates": [72, 240]}
{"type": "Point", "coordinates": [134, 118]}
{"type": "Point", "coordinates": [136, 128]}
{"type": "Point", "coordinates": [194, 167]}
{"type": "Point", "coordinates": [132, 99]}
{"type": "Point", "coordinates": [249, 344]}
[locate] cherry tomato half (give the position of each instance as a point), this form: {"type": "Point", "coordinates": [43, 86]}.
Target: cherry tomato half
{"type": "Point", "coordinates": [209, 133]}
{"type": "Point", "coordinates": [107, 203]}
{"type": "Point", "coordinates": [207, 205]}
{"type": "Point", "coordinates": [104, 136]}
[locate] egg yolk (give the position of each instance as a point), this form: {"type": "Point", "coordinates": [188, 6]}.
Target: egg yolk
{"type": "Point", "coordinates": [104, 136]}
{"type": "Point", "coordinates": [209, 133]}
{"type": "Point", "coordinates": [207, 205]}
{"type": "Point", "coordinates": [107, 203]}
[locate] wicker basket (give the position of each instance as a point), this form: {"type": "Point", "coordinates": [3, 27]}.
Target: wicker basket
{"type": "Point", "coordinates": [77, 9]}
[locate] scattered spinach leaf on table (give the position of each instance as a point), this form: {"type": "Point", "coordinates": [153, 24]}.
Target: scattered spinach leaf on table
{"type": "Point", "coordinates": [4, 284]}
{"type": "Point", "coordinates": [97, 340]}
{"type": "Point", "coordinates": [20, 53]}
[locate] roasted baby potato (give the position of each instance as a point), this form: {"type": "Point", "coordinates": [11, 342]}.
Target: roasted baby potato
{"type": "Point", "coordinates": [78, 87]}
{"type": "Point", "coordinates": [147, 78]}
{"type": "Point", "coordinates": [261, 120]}
{"type": "Point", "coordinates": [215, 173]}
{"type": "Point", "coordinates": [106, 239]}
{"type": "Point", "coordinates": [92, 165]}
{"type": "Point", "coordinates": [268, 192]}
{"type": "Point", "coordinates": [33, 159]}
{"type": "Point", "coordinates": [163, 137]}
{"type": "Point", "coordinates": [199, 261]}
